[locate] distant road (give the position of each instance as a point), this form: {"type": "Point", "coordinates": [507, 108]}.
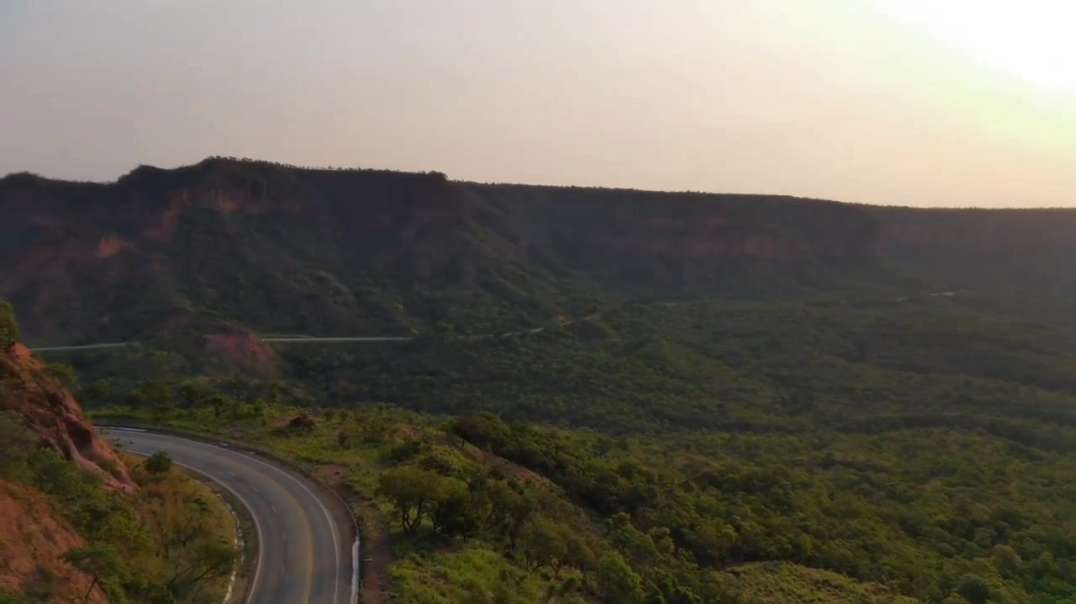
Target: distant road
{"type": "Point", "coordinates": [337, 339]}
{"type": "Point", "coordinates": [307, 554]}
{"type": "Point", "coordinates": [275, 339]}
{"type": "Point", "coordinates": [305, 339]}
{"type": "Point", "coordinates": [82, 347]}
{"type": "Point", "coordinates": [292, 340]}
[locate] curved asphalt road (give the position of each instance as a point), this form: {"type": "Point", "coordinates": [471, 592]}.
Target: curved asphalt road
{"type": "Point", "coordinates": [305, 553]}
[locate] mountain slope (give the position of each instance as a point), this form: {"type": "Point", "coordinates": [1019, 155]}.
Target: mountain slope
{"type": "Point", "coordinates": [46, 408]}
{"type": "Point", "coordinates": [76, 522]}
{"type": "Point", "coordinates": [33, 541]}
{"type": "Point", "coordinates": [228, 242]}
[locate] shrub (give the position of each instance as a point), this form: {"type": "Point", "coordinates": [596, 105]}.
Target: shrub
{"type": "Point", "coordinates": [159, 463]}
{"type": "Point", "coordinates": [9, 327]}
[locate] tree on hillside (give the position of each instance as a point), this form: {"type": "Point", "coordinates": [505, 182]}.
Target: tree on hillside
{"type": "Point", "coordinates": [974, 589]}
{"type": "Point", "coordinates": [103, 565]}
{"type": "Point", "coordinates": [209, 560]}
{"type": "Point", "coordinates": [547, 542]}
{"type": "Point", "coordinates": [9, 327]}
{"type": "Point", "coordinates": [16, 444]}
{"type": "Point", "coordinates": [484, 430]}
{"type": "Point", "coordinates": [508, 507]}
{"type": "Point", "coordinates": [454, 512]}
{"type": "Point", "coordinates": [411, 490]}
{"type": "Point", "coordinates": [616, 580]}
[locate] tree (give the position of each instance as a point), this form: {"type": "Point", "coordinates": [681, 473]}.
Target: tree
{"type": "Point", "coordinates": [617, 582]}
{"type": "Point", "coordinates": [343, 438]}
{"type": "Point", "coordinates": [507, 508]}
{"type": "Point", "coordinates": [101, 563]}
{"type": "Point", "coordinates": [578, 552]}
{"type": "Point", "coordinates": [1005, 559]}
{"type": "Point", "coordinates": [64, 373]}
{"type": "Point", "coordinates": [484, 430]}
{"type": "Point", "coordinates": [542, 543]}
{"type": "Point", "coordinates": [411, 490]}
{"type": "Point", "coordinates": [17, 442]}
{"type": "Point", "coordinates": [218, 402]}
{"type": "Point", "coordinates": [453, 511]}
{"type": "Point", "coordinates": [9, 327]}
{"type": "Point", "coordinates": [210, 560]}
{"type": "Point", "coordinates": [638, 545]}
{"type": "Point", "coordinates": [974, 589]}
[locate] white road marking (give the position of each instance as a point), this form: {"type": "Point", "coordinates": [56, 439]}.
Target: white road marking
{"type": "Point", "coordinates": [355, 571]}
{"type": "Point", "coordinates": [328, 516]}
{"type": "Point", "coordinates": [317, 500]}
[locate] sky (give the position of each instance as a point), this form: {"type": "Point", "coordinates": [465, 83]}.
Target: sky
{"type": "Point", "coordinates": [910, 102]}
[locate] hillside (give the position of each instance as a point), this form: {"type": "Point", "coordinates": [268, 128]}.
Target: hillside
{"type": "Point", "coordinates": [227, 243]}
{"type": "Point", "coordinates": [80, 522]}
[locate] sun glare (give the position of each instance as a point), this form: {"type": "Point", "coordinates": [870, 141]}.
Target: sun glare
{"type": "Point", "coordinates": [1030, 40]}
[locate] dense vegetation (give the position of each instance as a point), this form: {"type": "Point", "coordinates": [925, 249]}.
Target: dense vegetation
{"type": "Point", "coordinates": [737, 447]}
{"type": "Point", "coordinates": [170, 542]}
{"type": "Point", "coordinates": [923, 447]}
{"type": "Point", "coordinates": [471, 526]}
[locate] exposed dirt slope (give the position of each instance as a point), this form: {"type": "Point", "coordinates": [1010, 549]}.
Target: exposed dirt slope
{"type": "Point", "coordinates": [242, 351]}
{"type": "Point", "coordinates": [33, 542]}
{"type": "Point", "coordinates": [49, 410]}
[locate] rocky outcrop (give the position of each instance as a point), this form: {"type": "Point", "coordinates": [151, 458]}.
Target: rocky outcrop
{"type": "Point", "coordinates": [33, 541]}
{"type": "Point", "coordinates": [50, 411]}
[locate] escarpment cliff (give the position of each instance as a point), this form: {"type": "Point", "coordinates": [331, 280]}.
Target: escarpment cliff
{"type": "Point", "coordinates": [221, 246]}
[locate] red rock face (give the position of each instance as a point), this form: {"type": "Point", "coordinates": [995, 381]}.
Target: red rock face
{"type": "Point", "coordinates": [109, 247]}
{"type": "Point", "coordinates": [49, 409]}
{"type": "Point", "coordinates": [328, 246]}
{"type": "Point", "coordinates": [33, 539]}
{"type": "Point", "coordinates": [242, 351]}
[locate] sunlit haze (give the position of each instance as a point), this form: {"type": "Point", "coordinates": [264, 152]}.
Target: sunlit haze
{"type": "Point", "coordinates": [955, 103]}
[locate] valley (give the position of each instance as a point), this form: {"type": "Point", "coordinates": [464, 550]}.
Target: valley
{"type": "Point", "coordinates": [576, 395]}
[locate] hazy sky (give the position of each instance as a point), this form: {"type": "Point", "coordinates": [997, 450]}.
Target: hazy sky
{"type": "Point", "coordinates": [919, 102]}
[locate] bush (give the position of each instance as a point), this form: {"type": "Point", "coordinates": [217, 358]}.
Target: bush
{"type": "Point", "coordinates": [9, 598]}
{"type": "Point", "coordinates": [159, 463]}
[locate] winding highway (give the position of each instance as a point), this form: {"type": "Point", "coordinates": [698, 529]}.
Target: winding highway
{"type": "Point", "coordinates": [307, 547]}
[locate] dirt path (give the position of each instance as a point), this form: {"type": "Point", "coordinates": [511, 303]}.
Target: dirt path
{"type": "Point", "coordinates": [375, 548]}
{"type": "Point", "coordinates": [376, 553]}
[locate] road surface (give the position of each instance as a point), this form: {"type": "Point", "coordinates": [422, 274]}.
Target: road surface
{"type": "Point", "coordinates": [272, 339]}
{"type": "Point", "coordinates": [306, 539]}
{"type": "Point", "coordinates": [305, 339]}
{"type": "Point", "coordinates": [334, 339]}
{"type": "Point", "coordinates": [102, 346]}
